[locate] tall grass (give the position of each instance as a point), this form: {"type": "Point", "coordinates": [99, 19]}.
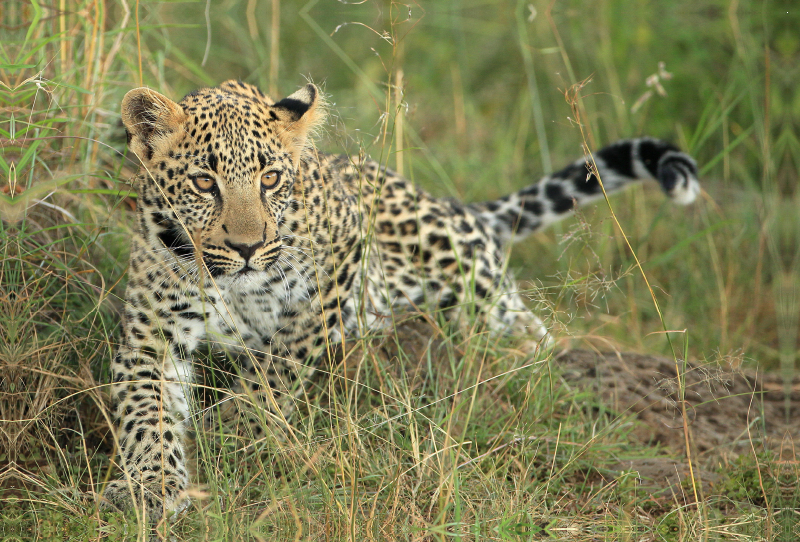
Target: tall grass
{"type": "Point", "coordinates": [430, 432]}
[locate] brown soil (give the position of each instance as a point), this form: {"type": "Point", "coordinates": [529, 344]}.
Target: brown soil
{"type": "Point", "coordinates": [730, 412]}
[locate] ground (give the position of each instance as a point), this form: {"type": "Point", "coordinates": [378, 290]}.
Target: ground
{"type": "Point", "coordinates": [732, 411]}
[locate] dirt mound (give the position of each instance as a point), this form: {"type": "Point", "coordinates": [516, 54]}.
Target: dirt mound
{"type": "Point", "coordinates": [730, 411]}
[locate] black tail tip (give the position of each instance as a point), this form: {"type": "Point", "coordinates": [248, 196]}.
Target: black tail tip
{"type": "Point", "coordinates": [675, 170]}
{"type": "Point", "coordinates": [677, 173]}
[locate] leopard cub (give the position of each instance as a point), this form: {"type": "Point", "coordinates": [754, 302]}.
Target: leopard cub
{"type": "Point", "coordinates": [249, 238]}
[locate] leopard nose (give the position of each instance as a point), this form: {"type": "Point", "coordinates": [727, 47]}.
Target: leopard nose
{"type": "Point", "coordinates": [245, 251]}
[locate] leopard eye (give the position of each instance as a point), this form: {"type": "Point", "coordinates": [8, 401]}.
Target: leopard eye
{"type": "Point", "coordinates": [270, 180]}
{"type": "Point", "coordinates": [204, 183]}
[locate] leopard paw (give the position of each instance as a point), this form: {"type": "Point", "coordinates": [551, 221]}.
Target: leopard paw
{"type": "Point", "coordinates": [157, 500]}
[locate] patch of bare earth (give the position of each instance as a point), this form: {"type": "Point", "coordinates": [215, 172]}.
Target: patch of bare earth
{"type": "Point", "coordinates": [730, 411]}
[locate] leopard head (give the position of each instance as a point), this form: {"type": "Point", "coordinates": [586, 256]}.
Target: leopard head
{"type": "Point", "coordinates": [219, 170]}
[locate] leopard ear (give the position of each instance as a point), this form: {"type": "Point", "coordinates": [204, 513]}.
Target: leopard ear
{"type": "Point", "coordinates": [149, 117]}
{"type": "Point", "coordinates": [300, 113]}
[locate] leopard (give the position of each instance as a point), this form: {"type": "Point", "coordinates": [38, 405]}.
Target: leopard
{"type": "Point", "coordinates": [248, 237]}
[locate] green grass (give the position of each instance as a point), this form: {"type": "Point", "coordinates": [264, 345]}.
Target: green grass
{"type": "Point", "coordinates": [455, 436]}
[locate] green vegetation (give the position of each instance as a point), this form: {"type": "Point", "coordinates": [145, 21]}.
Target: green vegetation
{"type": "Point", "coordinates": [426, 433]}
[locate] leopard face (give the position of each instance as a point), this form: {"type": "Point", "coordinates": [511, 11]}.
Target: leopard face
{"type": "Point", "coordinates": [219, 171]}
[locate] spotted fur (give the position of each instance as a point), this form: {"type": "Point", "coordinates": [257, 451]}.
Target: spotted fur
{"type": "Point", "coordinates": [249, 238]}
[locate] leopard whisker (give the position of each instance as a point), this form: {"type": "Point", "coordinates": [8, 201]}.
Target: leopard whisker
{"type": "Point", "coordinates": [302, 274]}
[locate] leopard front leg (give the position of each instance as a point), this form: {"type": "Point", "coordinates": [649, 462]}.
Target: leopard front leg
{"type": "Point", "coordinates": [262, 399]}
{"type": "Point", "coordinates": [264, 394]}
{"type": "Point", "coordinates": [151, 408]}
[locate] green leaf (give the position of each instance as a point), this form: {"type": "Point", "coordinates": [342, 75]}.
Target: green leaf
{"type": "Point", "coordinates": [17, 66]}
{"type": "Point", "coordinates": [29, 154]}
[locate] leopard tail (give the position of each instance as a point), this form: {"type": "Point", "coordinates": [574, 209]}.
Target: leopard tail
{"type": "Point", "coordinates": [618, 165]}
